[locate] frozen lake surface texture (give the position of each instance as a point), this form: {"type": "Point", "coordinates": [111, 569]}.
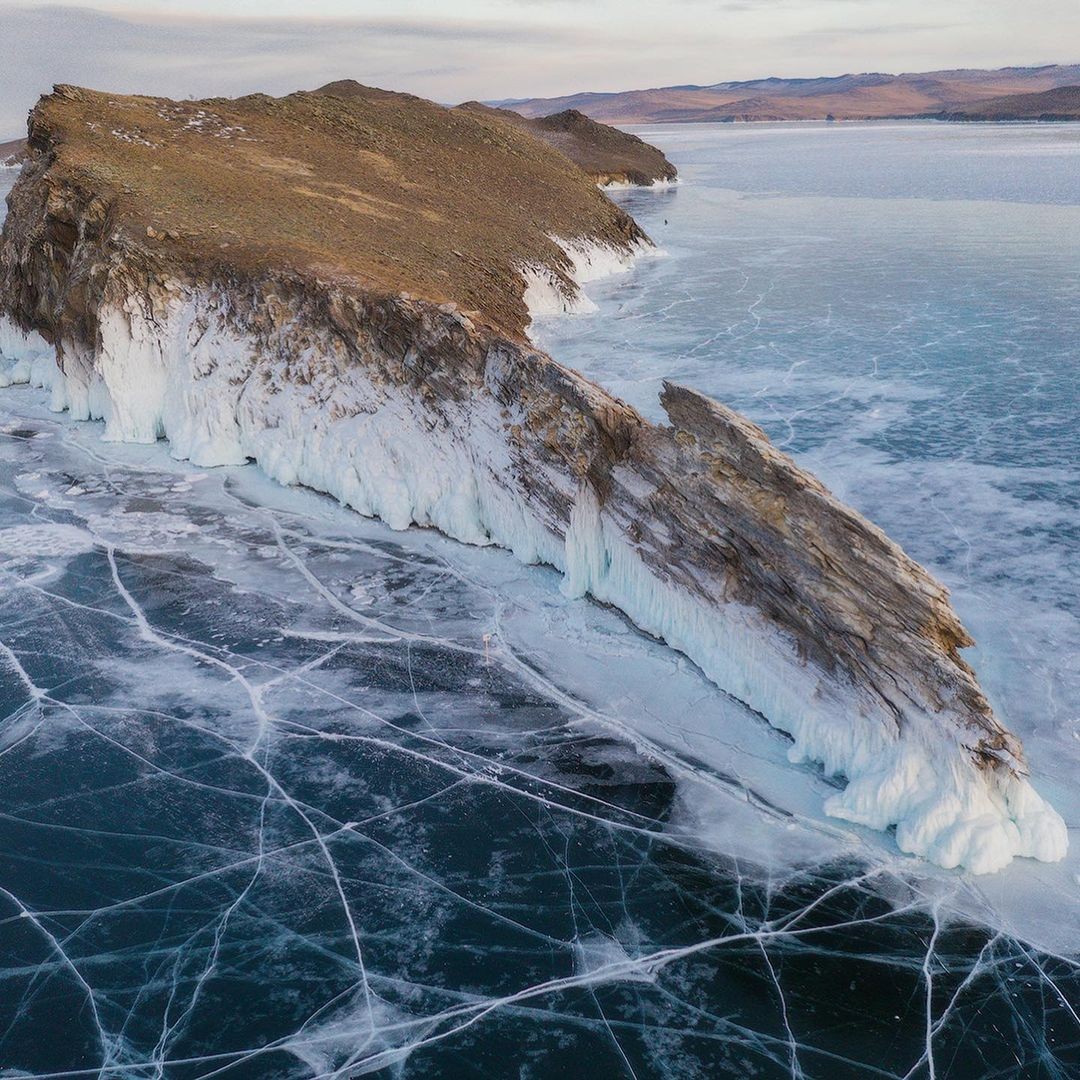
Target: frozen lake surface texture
{"type": "Point", "coordinates": [286, 794]}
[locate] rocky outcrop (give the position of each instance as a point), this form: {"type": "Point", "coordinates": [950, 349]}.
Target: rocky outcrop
{"type": "Point", "coordinates": [405, 406]}
{"type": "Point", "coordinates": [613, 158]}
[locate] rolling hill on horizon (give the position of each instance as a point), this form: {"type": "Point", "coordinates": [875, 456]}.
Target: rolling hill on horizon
{"type": "Point", "coordinates": [1061, 103]}
{"type": "Point", "coordinates": [863, 96]}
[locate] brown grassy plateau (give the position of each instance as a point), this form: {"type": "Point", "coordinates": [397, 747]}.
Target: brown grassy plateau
{"type": "Point", "coordinates": [382, 191]}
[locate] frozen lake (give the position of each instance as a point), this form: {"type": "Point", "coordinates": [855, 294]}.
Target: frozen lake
{"type": "Point", "coordinates": [286, 794]}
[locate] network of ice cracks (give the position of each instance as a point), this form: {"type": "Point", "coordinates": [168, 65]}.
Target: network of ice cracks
{"type": "Point", "coordinates": [287, 794]}
{"type": "Point", "coordinates": [184, 374]}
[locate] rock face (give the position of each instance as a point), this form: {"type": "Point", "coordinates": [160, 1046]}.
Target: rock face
{"type": "Point", "coordinates": [291, 347]}
{"type": "Point", "coordinates": [613, 158]}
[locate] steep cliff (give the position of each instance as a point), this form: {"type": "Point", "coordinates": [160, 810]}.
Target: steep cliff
{"type": "Point", "coordinates": [285, 281]}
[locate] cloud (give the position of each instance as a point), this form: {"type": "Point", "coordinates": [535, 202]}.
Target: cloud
{"type": "Point", "coordinates": [206, 57]}
{"type": "Point", "coordinates": [883, 30]}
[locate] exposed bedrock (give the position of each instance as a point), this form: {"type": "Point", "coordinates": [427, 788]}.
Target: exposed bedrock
{"type": "Point", "coordinates": [406, 409]}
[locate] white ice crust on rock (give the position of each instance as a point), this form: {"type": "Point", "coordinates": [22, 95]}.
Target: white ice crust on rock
{"type": "Point", "coordinates": [659, 184]}
{"type": "Point", "coordinates": [33, 358]}
{"type": "Point", "coordinates": [546, 294]}
{"type": "Point", "coordinates": [924, 782]}
{"type": "Point", "coordinates": [190, 376]}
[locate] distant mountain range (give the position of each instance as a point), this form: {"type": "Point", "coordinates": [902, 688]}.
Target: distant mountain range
{"type": "Point", "coordinates": [869, 96]}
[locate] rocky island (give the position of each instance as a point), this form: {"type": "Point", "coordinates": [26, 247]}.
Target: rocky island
{"type": "Point", "coordinates": [339, 288]}
{"type": "Point", "coordinates": [610, 156]}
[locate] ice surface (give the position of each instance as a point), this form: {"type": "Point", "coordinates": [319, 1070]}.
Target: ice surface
{"type": "Point", "coordinates": [289, 794]}
{"type": "Point", "coordinates": [252, 823]}
{"type": "Point", "coordinates": [941, 403]}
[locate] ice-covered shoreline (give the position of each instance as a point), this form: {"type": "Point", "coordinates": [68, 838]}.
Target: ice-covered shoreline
{"type": "Point", "coordinates": [547, 295]}
{"type": "Point", "coordinates": [659, 184]}
{"type": "Point", "coordinates": [424, 604]}
{"type": "Point", "coordinates": [185, 373]}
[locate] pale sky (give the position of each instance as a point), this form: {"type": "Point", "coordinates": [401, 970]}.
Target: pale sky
{"type": "Point", "coordinates": [459, 49]}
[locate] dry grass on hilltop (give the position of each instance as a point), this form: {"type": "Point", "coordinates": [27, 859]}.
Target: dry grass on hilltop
{"type": "Point", "coordinates": [387, 192]}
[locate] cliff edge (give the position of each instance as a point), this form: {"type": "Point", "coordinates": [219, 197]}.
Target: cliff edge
{"type": "Point", "coordinates": [339, 288]}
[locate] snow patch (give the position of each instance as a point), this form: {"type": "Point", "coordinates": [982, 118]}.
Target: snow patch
{"type": "Point", "coordinates": [147, 532]}
{"type": "Point", "coordinates": [45, 540]}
